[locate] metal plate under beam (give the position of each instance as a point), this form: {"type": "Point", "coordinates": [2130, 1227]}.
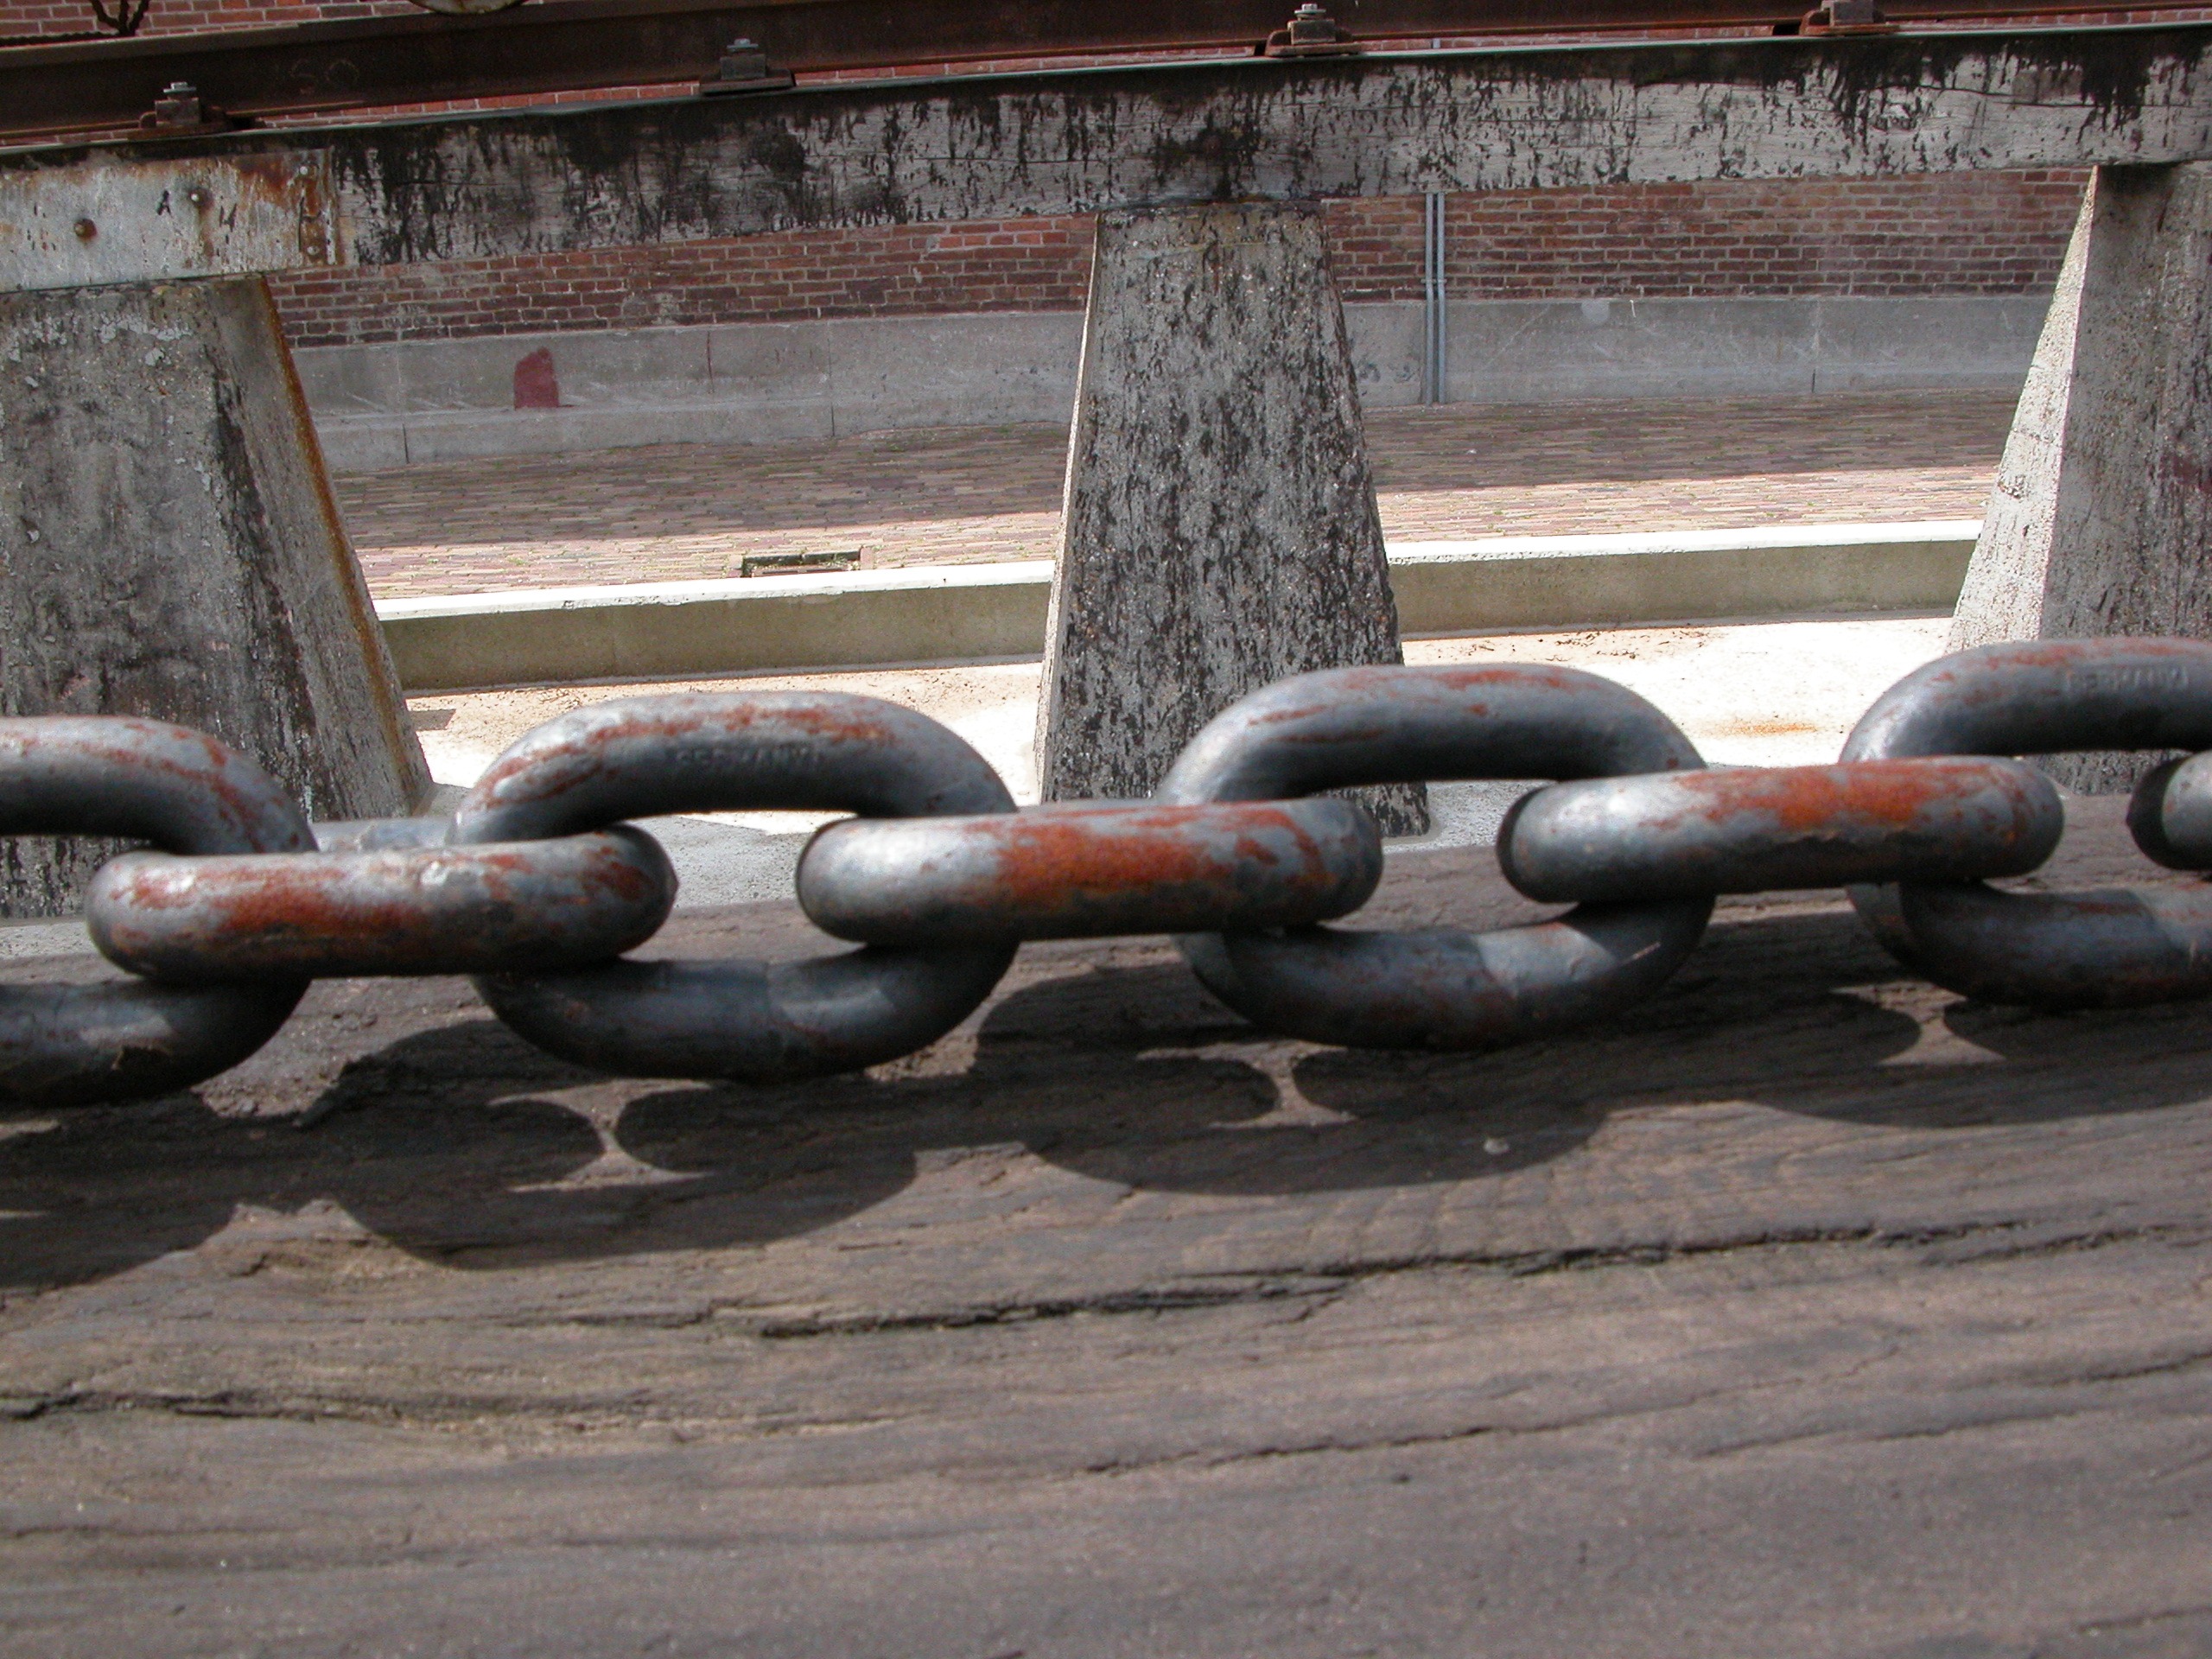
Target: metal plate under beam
{"type": "Point", "coordinates": [1005, 146]}
{"type": "Point", "coordinates": [198, 217]}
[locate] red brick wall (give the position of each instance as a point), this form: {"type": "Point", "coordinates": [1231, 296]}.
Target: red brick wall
{"type": "Point", "coordinates": [1960, 233]}
{"type": "Point", "coordinates": [1947, 233]}
{"type": "Point", "coordinates": [20, 17]}
{"type": "Point", "coordinates": [1023, 265]}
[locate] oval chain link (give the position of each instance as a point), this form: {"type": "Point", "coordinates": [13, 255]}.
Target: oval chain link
{"type": "Point", "coordinates": [527, 906]}
{"type": "Point", "coordinates": [1772, 829]}
{"type": "Point", "coordinates": [1440, 987]}
{"type": "Point", "coordinates": [144, 780]}
{"type": "Point", "coordinates": [2170, 815]}
{"type": "Point", "coordinates": [2114, 947]}
{"type": "Point", "coordinates": [737, 752]}
{"type": "Point", "coordinates": [1090, 870]}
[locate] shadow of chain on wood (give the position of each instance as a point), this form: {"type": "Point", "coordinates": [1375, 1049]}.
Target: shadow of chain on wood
{"type": "Point", "coordinates": [454, 1144]}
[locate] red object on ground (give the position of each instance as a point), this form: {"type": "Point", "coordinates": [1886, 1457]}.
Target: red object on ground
{"type": "Point", "coordinates": [537, 385]}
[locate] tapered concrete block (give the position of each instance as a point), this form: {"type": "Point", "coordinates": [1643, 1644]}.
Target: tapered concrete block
{"type": "Point", "coordinates": [2101, 520]}
{"type": "Point", "coordinates": [1221, 530]}
{"type": "Point", "coordinates": [168, 548]}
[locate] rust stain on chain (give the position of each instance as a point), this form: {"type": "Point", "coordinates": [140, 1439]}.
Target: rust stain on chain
{"type": "Point", "coordinates": [940, 877]}
{"type": "Point", "coordinates": [1043, 861]}
{"type": "Point", "coordinates": [1807, 800]}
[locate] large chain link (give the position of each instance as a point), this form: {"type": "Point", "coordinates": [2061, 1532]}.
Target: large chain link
{"type": "Point", "coordinates": [738, 751]}
{"type": "Point", "coordinates": [1440, 987]}
{"type": "Point", "coordinates": [2089, 950]}
{"type": "Point", "coordinates": [62, 1045]}
{"type": "Point", "coordinates": [536, 885]}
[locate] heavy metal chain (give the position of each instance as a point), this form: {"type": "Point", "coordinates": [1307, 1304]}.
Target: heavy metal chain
{"type": "Point", "coordinates": [536, 886]}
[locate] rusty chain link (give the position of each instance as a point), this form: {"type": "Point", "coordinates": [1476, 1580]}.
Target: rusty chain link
{"type": "Point", "coordinates": [536, 885]}
{"type": "Point", "coordinates": [737, 752]}
{"type": "Point", "coordinates": [64, 1044]}
{"type": "Point", "coordinates": [2090, 950]}
{"type": "Point", "coordinates": [1438, 988]}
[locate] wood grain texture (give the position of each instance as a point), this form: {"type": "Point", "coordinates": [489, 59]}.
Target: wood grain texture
{"type": "Point", "coordinates": [2101, 523]}
{"type": "Point", "coordinates": [1220, 531]}
{"type": "Point", "coordinates": [996, 147]}
{"type": "Point", "coordinates": [168, 548]}
{"type": "Point", "coordinates": [1806, 1310]}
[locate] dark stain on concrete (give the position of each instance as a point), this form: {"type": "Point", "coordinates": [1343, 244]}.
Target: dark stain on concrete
{"type": "Point", "coordinates": [993, 145]}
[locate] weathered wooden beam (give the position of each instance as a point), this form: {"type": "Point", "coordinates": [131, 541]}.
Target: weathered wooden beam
{"type": "Point", "coordinates": [2101, 520]}
{"type": "Point", "coordinates": [468, 187]}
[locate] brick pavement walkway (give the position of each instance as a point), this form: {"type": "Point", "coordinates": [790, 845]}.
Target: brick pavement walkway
{"type": "Point", "coordinates": [969, 495]}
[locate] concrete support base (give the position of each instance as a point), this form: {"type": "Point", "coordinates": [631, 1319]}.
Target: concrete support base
{"type": "Point", "coordinates": [1221, 530]}
{"type": "Point", "coordinates": [2101, 520]}
{"type": "Point", "coordinates": [168, 548]}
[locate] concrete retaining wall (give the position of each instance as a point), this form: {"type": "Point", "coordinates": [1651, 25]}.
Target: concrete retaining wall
{"type": "Point", "coordinates": [393, 404]}
{"type": "Point", "coordinates": [973, 613]}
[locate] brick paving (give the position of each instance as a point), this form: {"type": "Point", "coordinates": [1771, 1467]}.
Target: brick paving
{"type": "Point", "coordinates": [970, 495]}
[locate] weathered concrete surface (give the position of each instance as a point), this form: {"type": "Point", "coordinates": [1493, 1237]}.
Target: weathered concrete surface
{"type": "Point", "coordinates": [169, 547]}
{"type": "Point", "coordinates": [1629, 580]}
{"type": "Point", "coordinates": [404, 403]}
{"type": "Point", "coordinates": [992, 147]}
{"type": "Point", "coordinates": [1554, 350]}
{"type": "Point", "coordinates": [1220, 530]}
{"type": "Point", "coordinates": [1806, 1311]}
{"type": "Point", "coordinates": [2102, 519]}
{"type": "Point", "coordinates": [2005, 592]}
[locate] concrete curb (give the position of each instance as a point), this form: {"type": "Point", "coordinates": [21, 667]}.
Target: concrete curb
{"type": "Point", "coordinates": [955, 613]}
{"type": "Point", "coordinates": [1560, 582]}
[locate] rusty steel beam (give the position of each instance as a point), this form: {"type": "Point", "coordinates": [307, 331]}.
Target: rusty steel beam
{"type": "Point", "coordinates": [618, 174]}
{"type": "Point", "coordinates": [571, 45]}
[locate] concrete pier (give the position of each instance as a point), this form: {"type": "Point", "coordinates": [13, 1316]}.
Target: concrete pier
{"type": "Point", "coordinates": [1221, 530]}
{"type": "Point", "coordinates": [168, 548]}
{"type": "Point", "coordinates": [2102, 519]}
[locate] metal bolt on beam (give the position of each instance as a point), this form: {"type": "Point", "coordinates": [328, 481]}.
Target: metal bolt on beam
{"type": "Point", "coordinates": [1847, 17]}
{"type": "Point", "coordinates": [1311, 32]}
{"type": "Point", "coordinates": [180, 110]}
{"type": "Point", "coordinates": [744, 68]}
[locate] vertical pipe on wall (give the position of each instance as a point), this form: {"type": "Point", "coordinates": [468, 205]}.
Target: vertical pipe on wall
{"type": "Point", "coordinates": [1432, 361]}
